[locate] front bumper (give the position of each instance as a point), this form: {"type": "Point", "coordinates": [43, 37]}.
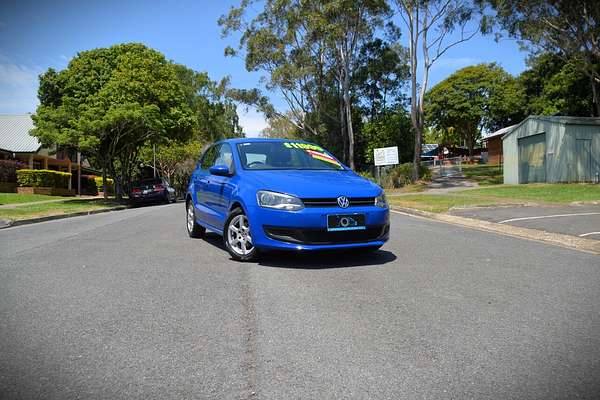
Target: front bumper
{"type": "Point", "coordinates": [307, 229]}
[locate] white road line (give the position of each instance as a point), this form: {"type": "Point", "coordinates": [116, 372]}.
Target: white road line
{"type": "Point", "coordinates": [589, 234]}
{"type": "Point", "coordinates": [403, 213]}
{"type": "Point", "coordinates": [548, 216]}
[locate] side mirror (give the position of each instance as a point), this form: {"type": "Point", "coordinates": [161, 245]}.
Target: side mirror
{"type": "Point", "coordinates": [220, 170]}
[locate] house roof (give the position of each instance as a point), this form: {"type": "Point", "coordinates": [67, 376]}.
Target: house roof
{"type": "Point", "coordinates": [558, 119]}
{"type": "Point", "coordinates": [500, 132]}
{"type": "Point", "coordinates": [14, 134]}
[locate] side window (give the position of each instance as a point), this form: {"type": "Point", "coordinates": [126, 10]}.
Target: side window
{"type": "Point", "coordinates": [208, 160]}
{"type": "Point", "coordinates": [225, 156]}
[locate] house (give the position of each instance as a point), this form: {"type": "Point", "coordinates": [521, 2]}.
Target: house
{"type": "Point", "coordinates": [17, 144]}
{"type": "Point", "coordinates": [493, 143]}
{"type": "Point", "coordinates": [552, 149]}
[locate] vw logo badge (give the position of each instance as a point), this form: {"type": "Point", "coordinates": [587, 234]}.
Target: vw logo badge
{"type": "Point", "coordinates": [343, 201]}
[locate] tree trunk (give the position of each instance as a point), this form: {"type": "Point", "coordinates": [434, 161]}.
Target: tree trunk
{"type": "Point", "coordinates": [343, 132]}
{"type": "Point", "coordinates": [345, 72]}
{"type": "Point", "coordinates": [595, 97]}
{"type": "Point", "coordinates": [349, 128]}
{"type": "Point", "coordinates": [104, 188]}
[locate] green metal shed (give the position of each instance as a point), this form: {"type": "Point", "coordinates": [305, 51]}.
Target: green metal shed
{"type": "Point", "coordinates": [552, 149]}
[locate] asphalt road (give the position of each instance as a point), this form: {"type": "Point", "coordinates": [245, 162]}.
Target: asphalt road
{"type": "Point", "coordinates": [579, 220]}
{"type": "Point", "coordinates": [124, 305]}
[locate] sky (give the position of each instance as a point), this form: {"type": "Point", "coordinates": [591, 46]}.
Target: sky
{"type": "Point", "coordinates": [37, 35]}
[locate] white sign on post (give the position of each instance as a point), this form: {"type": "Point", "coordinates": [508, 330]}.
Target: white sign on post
{"type": "Point", "coordinates": [386, 156]}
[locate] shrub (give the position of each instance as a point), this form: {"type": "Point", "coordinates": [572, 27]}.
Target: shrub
{"type": "Point", "coordinates": [401, 175]}
{"type": "Point", "coordinates": [88, 185]}
{"type": "Point", "coordinates": [8, 170]}
{"type": "Point", "coordinates": [367, 175]}
{"type": "Point", "coordinates": [43, 178]}
{"type": "Point", "coordinates": [110, 185]}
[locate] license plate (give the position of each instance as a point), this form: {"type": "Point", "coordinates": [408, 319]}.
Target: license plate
{"type": "Point", "coordinates": [346, 222]}
{"type": "Point", "coordinates": [146, 191]}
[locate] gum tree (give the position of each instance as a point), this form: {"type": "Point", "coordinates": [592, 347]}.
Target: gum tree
{"type": "Point", "coordinates": [433, 27]}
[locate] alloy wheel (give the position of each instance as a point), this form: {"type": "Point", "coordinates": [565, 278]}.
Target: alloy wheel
{"type": "Point", "coordinates": [238, 235]}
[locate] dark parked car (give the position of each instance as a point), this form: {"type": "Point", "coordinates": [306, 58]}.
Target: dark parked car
{"type": "Point", "coordinates": [153, 190]}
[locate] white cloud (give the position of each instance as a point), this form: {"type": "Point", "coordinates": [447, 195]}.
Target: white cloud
{"type": "Point", "coordinates": [18, 87]}
{"type": "Point", "coordinates": [455, 62]}
{"type": "Point", "coordinates": [252, 122]}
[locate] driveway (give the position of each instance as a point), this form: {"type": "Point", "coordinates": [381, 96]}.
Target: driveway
{"type": "Point", "coordinates": [581, 220]}
{"type": "Point", "coordinates": [124, 305]}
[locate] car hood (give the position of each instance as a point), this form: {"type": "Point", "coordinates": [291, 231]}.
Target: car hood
{"type": "Point", "coordinates": [314, 184]}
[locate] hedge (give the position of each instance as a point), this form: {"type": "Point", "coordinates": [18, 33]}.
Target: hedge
{"type": "Point", "coordinates": [88, 185]}
{"type": "Point", "coordinates": [8, 170]}
{"type": "Point", "coordinates": [43, 178]}
{"type": "Point", "coordinates": [110, 185]}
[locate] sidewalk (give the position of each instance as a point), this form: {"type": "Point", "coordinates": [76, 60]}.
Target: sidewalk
{"type": "Point", "coordinates": [558, 239]}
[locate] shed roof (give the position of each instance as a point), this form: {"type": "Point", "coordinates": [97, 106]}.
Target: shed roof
{"type": "Point", "coordinates": [499, 132]}
{"type": "Point", "coordinates": [14, 134]}
{"type": "Point", "coordinates": [558, 119]}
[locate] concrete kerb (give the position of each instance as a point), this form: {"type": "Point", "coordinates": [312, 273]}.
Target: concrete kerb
{"type": "Point", "coordinates": [8, 223]}
{"type": "Point", "coordinates": [568, 241]}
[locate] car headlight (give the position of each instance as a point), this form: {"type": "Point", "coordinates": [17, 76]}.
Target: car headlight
{"type": "Point", "coordinates": [278, 201]}
{"type": "Point", "coordinates": [380, 201]}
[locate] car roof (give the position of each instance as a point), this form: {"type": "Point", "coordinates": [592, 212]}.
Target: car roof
{"type": "Point", "coordinates": [259, 140]}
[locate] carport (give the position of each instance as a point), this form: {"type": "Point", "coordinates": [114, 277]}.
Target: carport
{"type": "Point", "coordinates": [552, 149]}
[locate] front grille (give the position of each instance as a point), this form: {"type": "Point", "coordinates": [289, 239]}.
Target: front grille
{"type": "Point", "coordinates": [332, 202]}
{"type": "Point", "coordinates": [322, 236]}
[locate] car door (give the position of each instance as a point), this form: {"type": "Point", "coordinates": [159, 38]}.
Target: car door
{"type": "Point", "coordinates": [204, 197]}
{"type": "Point", "coordinates": [221, 187]}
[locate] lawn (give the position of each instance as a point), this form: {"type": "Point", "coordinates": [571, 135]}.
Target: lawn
{"type": "Point", "coordinates": [518, 194]}
{"type": "Point", "coordinates": [484, 174]}
{"type": "Point", "coordinates": [54, 208]}
{"type": "Point", "coordinates": [15, 198]}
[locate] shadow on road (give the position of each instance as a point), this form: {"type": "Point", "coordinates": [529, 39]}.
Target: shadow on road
{"type": "Point", "coordinates": [214, 239]}
{"type": "Point", "coordinates": [315, 259]}
{"type": "Point", "coordinates": [326, 259]}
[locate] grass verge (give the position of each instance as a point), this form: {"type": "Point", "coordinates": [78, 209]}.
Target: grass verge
{"type": "Point", "coordinates": [54, 208]}
{"type": "Point", "coordinates": [499, 195]}
{"type": "Point", "coordinates": [484, 174]}
{"type": "Point", "coordinates": [16, 198]}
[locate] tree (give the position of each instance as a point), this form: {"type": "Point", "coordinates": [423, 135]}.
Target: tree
{"type": "Point", "coordinates": [555, 86]}
{"type": "Point", "coordinates": [389, 128]}
{"type": "Point", "coordinates": [380, 76]}
{"type": "Point", "coordinates": [109, 102]}
{"type": "Point", "coordinates": [174, 160]}
{"type": "Point", "coordinates": [216, 114]}
{"type": "Point", "coordinates": [475, 98]}
{"type": "Point", "coordinates": [280, 127]}
{"type": "Point", "coordinates": [430, 25]}
{"type": "Point", "coordinates": [309, 51]}
{"type": "Point", "coordinates": [570, 29]}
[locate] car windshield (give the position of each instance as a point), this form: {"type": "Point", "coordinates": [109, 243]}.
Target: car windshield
{"type": "Point", "coordinates": [286, 155]}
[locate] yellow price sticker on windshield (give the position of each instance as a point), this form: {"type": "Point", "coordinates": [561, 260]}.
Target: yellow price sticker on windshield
{"type": "Point", "coordinates": [302, 146]}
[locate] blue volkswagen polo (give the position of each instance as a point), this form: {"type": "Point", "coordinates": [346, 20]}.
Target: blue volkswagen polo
{"type": "Point", "coordinates": [278, 194]}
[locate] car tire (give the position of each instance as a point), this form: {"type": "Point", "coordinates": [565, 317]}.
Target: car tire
{"type": "Point", "coordinates": [193, 228]}
{"type": "Point", "coordinates": [237, 239]}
